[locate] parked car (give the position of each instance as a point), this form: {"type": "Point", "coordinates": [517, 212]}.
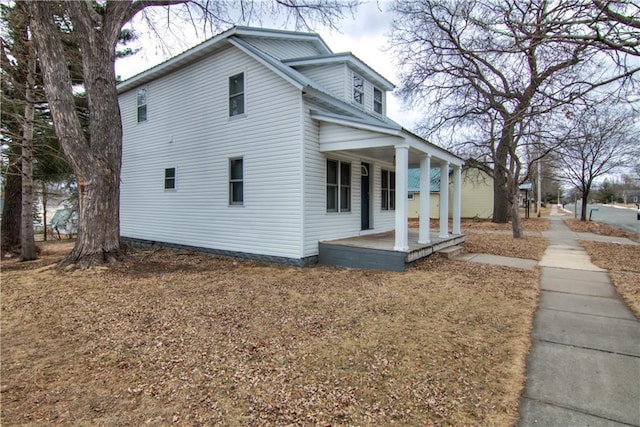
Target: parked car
{"type": "Point", "coordinates": [37, 227]}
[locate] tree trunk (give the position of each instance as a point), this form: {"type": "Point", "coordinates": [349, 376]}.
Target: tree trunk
{"type": "Point", "coordinates": [28, 244]}
{"type": "Point", "coordinates": [96, 163]}
{"type": "Point", "coordinates": [500, 198]}
{"type": "Point", "coordinates": [583, 208]}
{"type": "Point", "coordinates": [44, 210]}
{"type": "Point", "coordinates": [12, 208]}
{"type": "Point", "coordinates": [501, 195]}
{"type": "Point", "coordinates": [516, 223]}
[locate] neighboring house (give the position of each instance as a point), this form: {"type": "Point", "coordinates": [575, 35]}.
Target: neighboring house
{"type": "Point", "coordinates": [631, 196]}
{"type": "Point", "coordinates": [262, 143]}
{"type": "Point", "coordinates": [477, 194]}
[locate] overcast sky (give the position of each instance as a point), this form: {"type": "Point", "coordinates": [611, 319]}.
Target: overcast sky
{"type": "Point", "coordinates": [365, 35]}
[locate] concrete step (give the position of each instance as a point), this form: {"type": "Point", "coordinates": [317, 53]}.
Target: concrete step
{"type": "Point", "coordinates": [452, 251]}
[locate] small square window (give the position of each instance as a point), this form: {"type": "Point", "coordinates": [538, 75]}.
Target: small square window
{"type": "Point", "coordinates": [170, 179]}
{"type": "Point", "coordinates": [377, 100]}
{"type": "Point", "coordinates": [236, 182]}
{"type": "Point", "coordinates": [236, 95]}
{"type": "Point", "coordinates": [142, 105]}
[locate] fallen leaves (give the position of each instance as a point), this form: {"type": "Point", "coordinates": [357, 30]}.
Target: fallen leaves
{"type": "Point", "coordinates": [175, 338]}
{"type": "Point", "coordinates": [623, 264]}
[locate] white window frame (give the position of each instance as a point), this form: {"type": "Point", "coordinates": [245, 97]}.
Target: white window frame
{"type": "Point", "coordinates": [242, 94]}
{"type": "Point", "coordinates": [142, 106]}
{"type": "Point", "coordinates": [357, 93]}
{"type": "Point", "coordinates": [174, 179]}
{"type": "Point", "coordinates": [339, 187]}
{"type": "Point", "coordinates": [235, 181]}
{"type": "Point", "coordinates": [388, 193]}
{"type": "Point", "coordinates": [381, 102]}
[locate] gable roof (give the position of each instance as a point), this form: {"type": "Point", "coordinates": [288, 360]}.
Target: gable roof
{"type": "Point", "coordinates": [216, 43]}
{"type": "Point", "coordinates": [345, 58]}
{"type": "Point", "coordinates": [342, 112]}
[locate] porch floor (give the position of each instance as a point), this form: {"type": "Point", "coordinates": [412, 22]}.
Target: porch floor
{"type": "Point", "coordinates": [375, 251]}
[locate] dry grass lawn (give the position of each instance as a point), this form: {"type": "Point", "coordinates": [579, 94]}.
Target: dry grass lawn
{"type": "Point", "coordinates": [188, 339]}
{"type": "Point", "coordinates": [623, 264]}
{"type": "Point", "coordinates": [622, 261]}
{"type": "Point", "coordinates": [484, 236]}
{"type": "Point", "coordinates": [600, 228]}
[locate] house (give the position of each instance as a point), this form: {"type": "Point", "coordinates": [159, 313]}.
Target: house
{"type": "Point", "coordinates": [476, 193]}
{"type": "Point", "coordinates": [264, 143]}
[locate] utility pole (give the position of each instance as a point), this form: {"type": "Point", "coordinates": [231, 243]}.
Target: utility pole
{"type": "Point", "coordinates": [539, 190]}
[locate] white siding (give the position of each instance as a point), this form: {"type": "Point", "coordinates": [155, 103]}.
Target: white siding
{"type": "Point", "coordinates": [331, 77]}
{"type": "Point", "coordinates": [188, 128]}
{"type": "Point", "coordinates": [284, 49]}
{"type": "Point", "coordinates": [323, 225]}
{"type": "Point", "coordinates": [368, 95]}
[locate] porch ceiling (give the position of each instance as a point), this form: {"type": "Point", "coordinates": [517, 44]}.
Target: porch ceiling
{"type": "Point", "coordinates": [384, 154]}
{"type": "Point", "coordinates": [379, 143]}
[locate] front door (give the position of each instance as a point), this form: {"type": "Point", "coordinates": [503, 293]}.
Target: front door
{"type": "Point", "coordinates": [364, 198]}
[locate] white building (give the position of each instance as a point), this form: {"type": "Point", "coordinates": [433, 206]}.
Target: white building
{"type": "Point", "coordinates": [262, 143]}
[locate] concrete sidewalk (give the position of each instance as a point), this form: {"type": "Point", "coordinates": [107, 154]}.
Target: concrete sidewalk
{"type": "Point", "coordinates": [584, 365]}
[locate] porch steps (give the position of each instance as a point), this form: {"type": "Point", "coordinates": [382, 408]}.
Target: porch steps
{"type": "Point", "coordinates": [452, 251]}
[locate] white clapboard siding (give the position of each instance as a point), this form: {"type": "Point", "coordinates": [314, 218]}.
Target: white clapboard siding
{"type": "Point", "coordinates": [331, 77]}
{"type": "Point", "coordinates": [284, 49]}
{"type": "Point", "coordinates": [188, 128]}
{"type": "Point", "coordinates": [323, 225]}
{"type": "Point", "coordinates": [367, 105]}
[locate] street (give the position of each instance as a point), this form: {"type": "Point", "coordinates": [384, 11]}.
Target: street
{"type": "Point", "coordinates": [617, 216]}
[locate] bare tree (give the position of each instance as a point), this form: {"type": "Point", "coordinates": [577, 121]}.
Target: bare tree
{"type": "Point", "coordinates": [96, 159]}
{"type": "Point", "coordinates": [497, 66]}
{"type": "Point", "coordinates": [27, 241]}
{"type": "Point", "coordinates": [598, 140]}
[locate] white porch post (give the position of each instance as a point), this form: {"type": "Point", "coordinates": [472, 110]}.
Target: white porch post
{"type": "Point", "coordinates": [457, 198]}
{"type": "Point", "coordinates": [444, 200]}
{"type": "Point", "coordinates": [425, 199]}
{"type": "Point", "coordinates": [402, 188]}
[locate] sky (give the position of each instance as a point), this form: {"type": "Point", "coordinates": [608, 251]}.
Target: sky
{"type": "Point", "coordinates": [365, 35]}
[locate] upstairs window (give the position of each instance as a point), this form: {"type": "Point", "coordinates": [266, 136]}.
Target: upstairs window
{"type": "Point", "coordinates": [236, 95]}
{"type": "Point", "coordinates": [388, 188]}
{"type": "Point", "coordinates": [142, 105]}
{"type": "Point", "coordinates": [236, 182]}
{"type": "Point", "coordinates": [338, 186]}
{"type": "Point", "coordinates": [170, 179]}
{"type": "Point", "coordinates": [377, 100]}
{"type": "Point", "coordinates": [358, 89]}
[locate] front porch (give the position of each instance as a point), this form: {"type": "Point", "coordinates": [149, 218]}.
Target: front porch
{"type": "Point", "coordinates": [377, 251]}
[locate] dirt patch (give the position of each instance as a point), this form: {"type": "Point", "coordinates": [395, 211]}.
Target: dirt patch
{"type": "Point", "coordinates": [624, 268]}
{"type": "Point", "coordinates": [528, 247]}
{"type": "Point", "coordinates": [595, 227]}
{"type": "Point", "coordinates": [190, 339]}
{"type": "Point", "coordinates": [532, 224]}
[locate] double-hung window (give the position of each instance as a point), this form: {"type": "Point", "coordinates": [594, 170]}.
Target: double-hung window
{"type": "Point", "coordinates": [236, 182]}
{"type": "Point", "coordinates": [358, 89]}
{"type": "Point", "coordinates": [236, 95]}
{"type": "Point", "coordinates": [142, 105]}
{"type": "Point", "coordinates": [388, 187]}
{"type": "Point", "coordinates": [338, 186]}
{"type": "Point", "coordinates": [377, 100]}
{"type": "Point", "coordinates": [170, 179]}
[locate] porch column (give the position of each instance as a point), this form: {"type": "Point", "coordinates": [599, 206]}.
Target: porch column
{"type": "Point", "coordinates": [444, 200]}
{"type": "Point", "coordinates": [457, 198]}
{"type": "Point", "coordinates": [402, 207]}
{"type": "Point", "coordinates": [425, 199]}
